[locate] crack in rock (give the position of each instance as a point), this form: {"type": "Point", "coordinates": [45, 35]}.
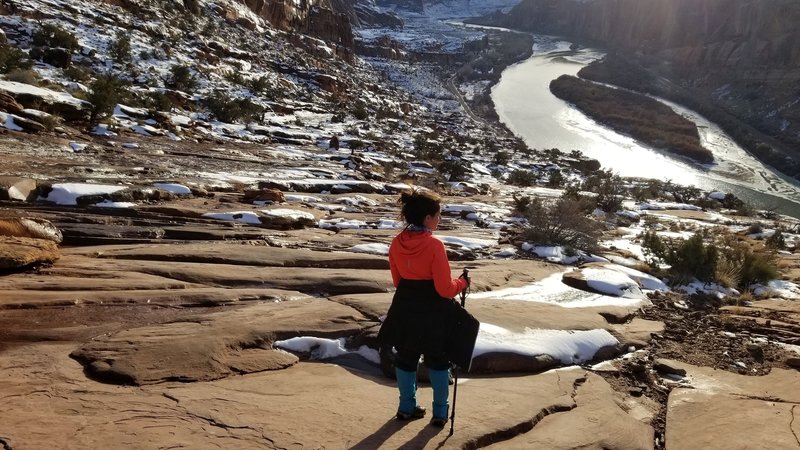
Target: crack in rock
{"type": "Point", "coordinates": [5, 444]}
{"type": "Point", "coordinates": [791, 428]}
{"type": "Point", "coordinates": [224, 426]}
{"type": "Point", "coordinates": [516, 430]}
{"type": "Point", "coordinates": [764, 398]}
{"type": "Point", "coordinates": [528, 425]}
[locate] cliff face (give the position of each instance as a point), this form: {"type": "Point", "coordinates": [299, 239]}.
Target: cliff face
{"type": "Point", "coordinates": [699, 32]}
{"type": "Point", "coordinates": [315, 18]}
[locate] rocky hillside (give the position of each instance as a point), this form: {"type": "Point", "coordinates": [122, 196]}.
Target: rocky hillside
{"type": "Point", "coordinates": [739, 56]}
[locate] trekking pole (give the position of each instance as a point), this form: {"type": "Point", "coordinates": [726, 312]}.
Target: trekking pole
{"type": "Point", "coordinates": [465, 275]}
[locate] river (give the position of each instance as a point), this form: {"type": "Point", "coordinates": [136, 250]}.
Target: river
{"type": "Point", "coordinates": [524, 103]}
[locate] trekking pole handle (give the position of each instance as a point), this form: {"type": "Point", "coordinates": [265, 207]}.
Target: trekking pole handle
{"type": "Point", "coordinates": [465, 275]}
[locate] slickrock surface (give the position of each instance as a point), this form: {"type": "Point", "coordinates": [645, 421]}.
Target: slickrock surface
{"type": "Point", "coordinates": [725, 410]}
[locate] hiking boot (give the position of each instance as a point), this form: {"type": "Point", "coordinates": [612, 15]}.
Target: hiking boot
{"type": "Point", "coordinates": [418, 413]}
{"type": "Point", "coordinates": [438, 422]}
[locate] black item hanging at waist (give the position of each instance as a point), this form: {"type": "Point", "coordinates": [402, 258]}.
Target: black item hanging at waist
{"type": "Point", "coordinates": [422, 321]}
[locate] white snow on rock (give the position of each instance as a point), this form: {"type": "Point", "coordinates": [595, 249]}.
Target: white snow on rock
{"type": "Point", "coordinates": [466, 243]}
{"type": "Point", "coordinates": [778, 288]}
{"type": "Point", "coordinates": [249, 217]}
{"type": "Point", "coordinates": [77, 146]}
{"type": "Point", "coordinates": [102, 130]}
{"type": "Point", "coordinates": [455, 208]}
{"type": "Point", "coordinates": [68, 193]}
{"type": "Point", "coordinates": [715, 289]}
{"type": "Point", "coordinates": [568, 346]}
{"type": "Point", "coordinates": [659, 206]}
{"type": "Point", "coordinates": [553, 290]}
{"type": "Point", "coordinates": [341, 223]}
{"type": "Point", "coordinates": [321, 348]}
{"type": "Point", "coordinates": [645, 281]}
{"type": "Point", "coordinates": [7, 122]}
{"type": "Point", "coordinates": [611, 282]}
{"type": "Point", "coordinates": [290, 213]}
{"type": "Point", "coordinates": [110, 204]}
{"type": "Point", "coordinates": [375, 249]}
{"type": "Point", "coordinates": [389, 224]}
{"type": "Point", "coordinates": [717, 195]}
{"type": "Point", "coordinates": [558, 254]}
{"type": "Point", "coordinates": [358, 200]}
{"type": "Point", "coordinates": [301, 198]}
{"type": "Point", "coordinates": [49, 96]}
{"type": "Point", "coordinates": [174, 188]}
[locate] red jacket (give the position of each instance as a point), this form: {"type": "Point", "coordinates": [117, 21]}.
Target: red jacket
{"type": "Point", "coordinates": [420, 256]}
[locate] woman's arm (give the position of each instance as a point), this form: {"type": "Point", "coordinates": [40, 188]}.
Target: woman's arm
{"type": "Point", "coordinates": [393, 269]}
{"type": "Point", "coordinates": [443, 280]}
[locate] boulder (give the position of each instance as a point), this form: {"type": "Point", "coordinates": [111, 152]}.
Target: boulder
{"type": "Point", "coordinates": [9, 104]}
{"type": "Point", "coordinates": [16, 188]}
{"type": "Point", "coordinates": [30, 228]}
{"type": "Point", "coordinates": [497, 362]}
{"type": "Point", "coordinates": [21, 252]}
{"type": "Point", "coordinates": [663, 366]}
{"type": "Point", "coordinates": [59, 103]}
{"type": "Point", "coordinates": [604, 281]}
{"type": "Point", "coordinates": [26, 124]}
{"type": "Point", "coordinates": [284, 219]}
{"type": "Point", "coordinates": [263, 195]}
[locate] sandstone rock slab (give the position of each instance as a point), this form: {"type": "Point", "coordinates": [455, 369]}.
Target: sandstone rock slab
{"type": "Point", "coordinates": [216, 345]}
{"type": "Point", "coordinates": [19, 252]}
{"type": "Point", "coordinates": [720, 409]}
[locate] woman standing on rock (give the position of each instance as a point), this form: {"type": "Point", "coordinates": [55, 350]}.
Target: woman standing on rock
{"type": "Point", "coordinates": [420, 320]}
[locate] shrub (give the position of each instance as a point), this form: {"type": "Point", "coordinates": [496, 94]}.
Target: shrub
{"type": "Point", "coordinates": [182, 78]}
{"type": "Point", "coordinates": [501, 158]}
{"type": "Point", "coordinates": [53, 36]}
{"type": "Point", "coordinates": [560, 223]}
{"type": "Point", "coordinates": [158, 101]}
{"type": "Point", "coordinates": [261, 85]}
{"type": "Point", "coordinates": [360, 111]}
{"type": "Point", "coordinates": [26, 76]}
{"type": "Point", "coordinates": [13, 58]}
{"type": "Point", "coordinates": [776, 241]}
{"type": "Point", "coordinates": [520, 177]}
{"type": "Point", "coordinates": [609, 189]}
{"type": "Point", "coordinates": [755, 228]}
{"type": "Point", "coordinates": [193, 6]}
{"type": "Point", "coordinates": [76, 73]}
{"type": "Point", "coordinates": [355, 144]}
{"type": "Point", "coordinates": [723, 259]}
{"type": "Point", "coordinates": [454, 169]}
{"type": "Point", "coordinates": [235, 77]}
{"type": "Point", "coordinates": [230, 110]}
{"type": "Point", "coordinates": [120, 48]}
{"type": "Point", "coordinates": [50, 121]}
{"type": "Point", "coordinates": [104, 93]}
{"type": "Point", "coordinates": [521, 203]}
{"type": "Point", "coordinates": [556, 179]}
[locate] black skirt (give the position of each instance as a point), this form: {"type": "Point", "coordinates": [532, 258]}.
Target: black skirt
{"type": "Point", "coordinates": [421, 321]}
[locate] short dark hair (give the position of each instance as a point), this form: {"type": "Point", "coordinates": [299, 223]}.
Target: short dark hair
{"type": "Point", "coordinates": [417, 204]}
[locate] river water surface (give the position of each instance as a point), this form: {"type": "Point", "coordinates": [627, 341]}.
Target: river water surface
{"type": "Point", "coordinates": [524, 103]}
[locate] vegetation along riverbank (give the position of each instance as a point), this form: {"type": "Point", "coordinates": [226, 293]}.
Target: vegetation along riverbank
{"type": "Point", "coordinates": [635, 115]}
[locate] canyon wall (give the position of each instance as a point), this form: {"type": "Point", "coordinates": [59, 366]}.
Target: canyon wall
{"type": "Point", "coordinates": [689, 32]}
